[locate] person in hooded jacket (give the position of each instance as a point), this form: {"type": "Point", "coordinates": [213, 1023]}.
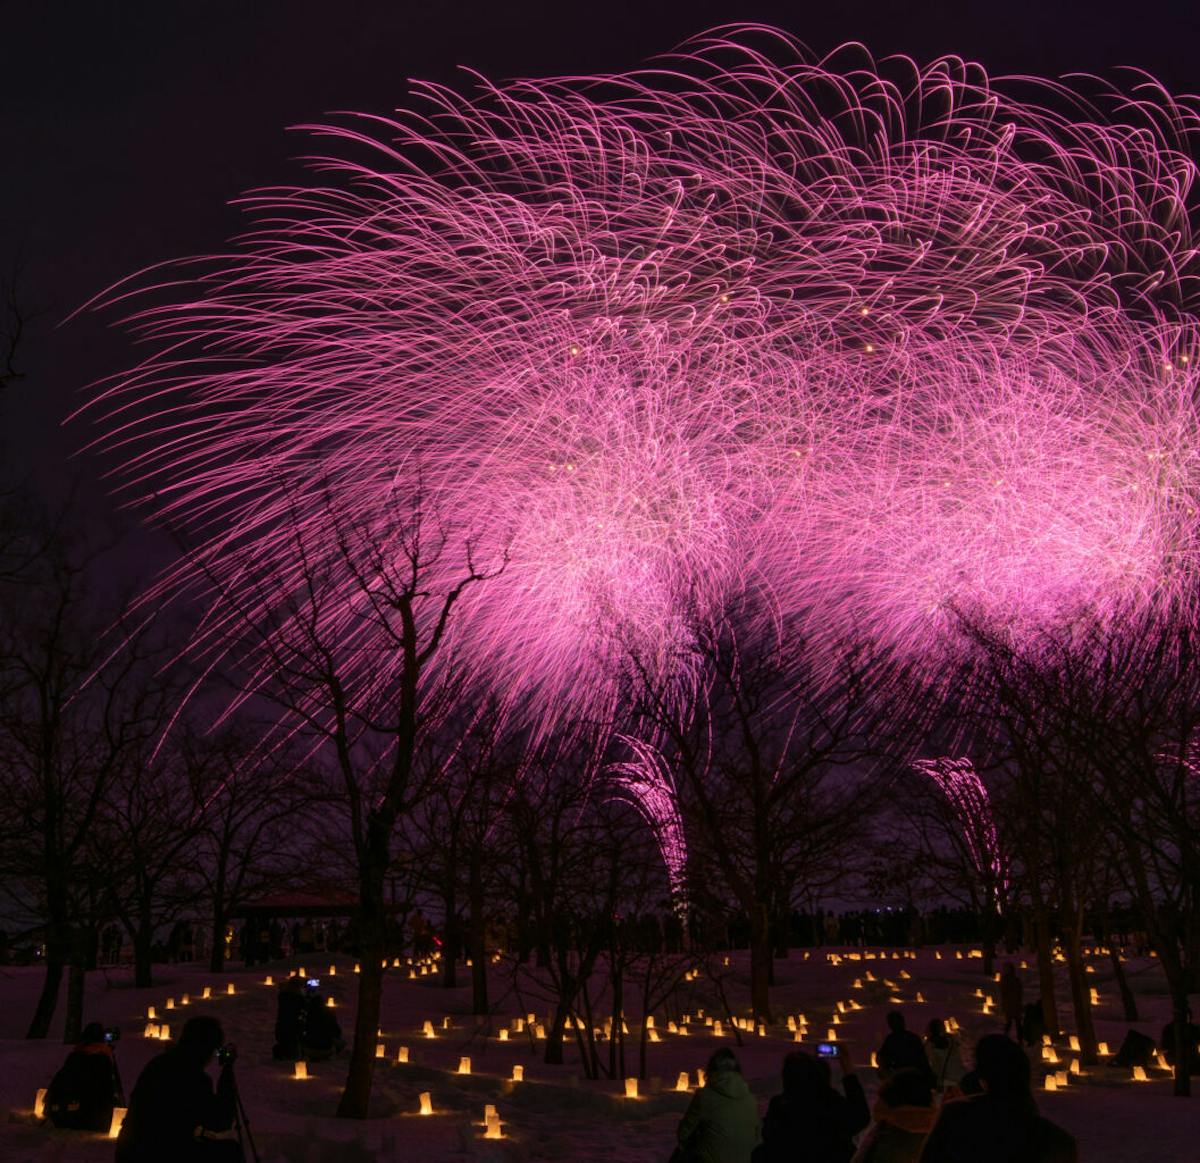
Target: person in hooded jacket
{"type": "Point", "coordinates": [1001, 1124]}
{"type": "Point", "coordinates": [810, 1120]}
{"type": "Point", "coordinates": [720, 1124]}
{"type": "Point", "coordinates": [901, 1121]}
{"type": "Point", "coordinates": [1012, 999]}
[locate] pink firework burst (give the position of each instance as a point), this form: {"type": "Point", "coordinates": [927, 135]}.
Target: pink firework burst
{"type": "Point", "coordinates": [886, 340]}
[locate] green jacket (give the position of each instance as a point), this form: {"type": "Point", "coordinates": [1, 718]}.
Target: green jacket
{"type": "Point", "coordinates": [721, 1123]}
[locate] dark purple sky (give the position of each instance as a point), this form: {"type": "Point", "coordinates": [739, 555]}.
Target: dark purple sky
{"type": "Point", "coordinates": [127, 125]}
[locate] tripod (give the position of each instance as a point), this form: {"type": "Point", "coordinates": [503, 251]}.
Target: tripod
{"type": "Point", "coordinates": [241, 1121]}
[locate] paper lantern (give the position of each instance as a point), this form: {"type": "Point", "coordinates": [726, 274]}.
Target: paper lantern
{"type": "Point", "coordinates": [445, 1023]}
{"type": "Point", "coordinates": [1075, 1067]}
{"type": "Point", "coordinates": [649, 1021]}
{"type": "Point", "coordinates": [1103, 1048]}
{"type": "Point", "coordinates": [380, 1049]}
{"type": "Point", "coordinates": [426, 1102]}
{"type": "Point", "coordinates": [39, 1103]}
{"type": "Point", "coordinates": [1139, 1074]}
{"type": "Point", "coordinates": [920, 997]}
{"type": "Point", "coordinates": [798, 1036]}
{"type": "Point", "coordinates": [874, 1060]}
{"type": "Point", "coordinates": [230, 990]}
{"type": "Point", "coordinates": [1062, 1078]}
{"type": "Point", "coordinates": [503, 1035]}
{"type": "Point", "coordinates": [672, 1028]}
{"type": "Point", "coordinates": [541, 1031]}
{"type": "Point", "coordinates": [684, 1032]}
{"type": "Point", "coordinates": [118, 1117]}
{"type": "Point", "coordinates": [631, 1088]}
{"type": "Point", "coordinates": [427, 1030]}
{"type": "Point", "coordinates": [402, 1054]}
{"type": "Point", "coordinates": [164, 1033]}
{"type": "Point", "coordinates": [831, 1035]}
{"type": "Point", "coordinates": [151, 1013]}
{"type": "Point", "coordinates": [518, 1074]}
{"type": "Point", "coordinates": [490, 1112]}
{"type": "Point", "coordinates": [1074, 1042]}
{"type": "Point", "coordinates": [681, 1083]}
{"type": "Point", "coordinates": [170, 1003]}
{"type": "Point", "coordinates": [301, 1071]}
{"type": "Point", "coordinates": [1051, 1082]}
{"type": "Point", "coordinates": [357, 967]}
{"type": "Point", "coordinates": [207, 993]}
{"type": "Point", "coordinates": [717, 1030]}
{"type": "Point", "coordinates": [492, 1128]}
{"type": "Point", "coordinates": [464, 1065]}
{"type": "Point", "coordinates": [699, 1077]}
{"type": "Point", "coordinates": [333, 971]}
{"type": "Point", "coordinates": [151, 1030]}
{"type": "Point", "coordinates": [531, 1019]}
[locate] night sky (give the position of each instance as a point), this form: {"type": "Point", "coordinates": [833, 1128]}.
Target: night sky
{"type": "Point", "coordinates": [127, 127]}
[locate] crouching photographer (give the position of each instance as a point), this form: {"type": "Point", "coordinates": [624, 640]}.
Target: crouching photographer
{"type": "Point", "coordinates": [174, 1106]}
{"type": "Point", "coordinates": [83, 1093]}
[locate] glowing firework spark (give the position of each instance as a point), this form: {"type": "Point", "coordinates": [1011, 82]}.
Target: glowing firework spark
{"type": "Point", "coordinates": [887, 340]}
{"type": "Point", "coordinates": [959, 782]}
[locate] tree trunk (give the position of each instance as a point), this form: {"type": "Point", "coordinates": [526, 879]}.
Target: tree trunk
{"type": "Point", "coordinates": [216, 956]}
{"type": "Point", "coordinates": [451, 945]}
{"type": "Point", "coordinates": [554, 1037]}
{"type": "Point", "coordinates": [142, 943]}
{"type": "Point", "coordinates": [1183, 1047]}
{"type": "Point", "coordinates": [1045, 960]}
{"type": "Point", "coordinates": [1080, 995]}
{"type": "Point", "coordinates": [618, 1015]}
{"type": "Point", "coordinates": [356, 1097]}
{"type": "Point", "coordinates": [760, 962]}
{"type": "Point", "coordinates": [476, 943]}
{"type": "Point", "coordinates": [47, 1002]}
{"type": "Point", "coordinates": [1128, 1001]}
{"type": "Point", "coordinates": [76, 980]}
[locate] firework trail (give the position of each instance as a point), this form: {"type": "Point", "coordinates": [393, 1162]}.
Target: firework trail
{"type": "Point", "coordinates": [967, 796]}
{"type": "Point", "coordinates": [885, 340]}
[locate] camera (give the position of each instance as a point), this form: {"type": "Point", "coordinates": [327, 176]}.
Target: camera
{"type": "Point", "coordinates": [226, 1054]}
{"type": "Point", "coordinates": [112, 1034]}
{"type": "Point", "coordinates": [827, 1050]}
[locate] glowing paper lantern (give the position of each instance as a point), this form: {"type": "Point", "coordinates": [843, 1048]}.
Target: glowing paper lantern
{"type": "Point", "coordinates": [492, 1128]}
{"type": "Point", "coordinates": [631, 1088]}
{"type": "Point", "coordinates": [39, 1103]}
{"type": "Point", "coordinates": [1051, 1082]}
{"type": "Point", "coordinates": [1139, 1074]}
{"type": "Point", "coordinates": [1103, 1049]}
{"type": "Point", "coordinates": [151, 1012]}
{"type": "Point", "coordinates": [207, 993]}
{"type": "Point", "coordinates": [426, 1102]}
{"type": "Point", "coordinates": [503, 1035]}
{"type": "Point", "coordinates": [518, 1074]}
{"type": "Point", "coordinates": [151, 1030]}
{"type": "Point", "coordinates": [164, 1033]}
{"type": "Point", "coordinates": [170, 1003]}
{"type": "Point", "coordinates": [118, 1117]}
{"type": "Point", "coordinates": [681, 1083]}
{"type": "Point", "coordinates": [874, 1060]}
{"type": "Point", "coordinates": [333, 971]}
{"type": "Point", "coordinates": [301, 1070]}
{"type": "Point", "coordinates": [464, 1065]}
{"type": "Point", "coordinates": [230, 990]}
{"type": "Point", "coordinates": [699, 1077]}
{"type": "Point", "coordinates": [428, 1031]}
{"type": "Point", "coordinates": [402, 1054]}
{"type": "Point", "coordinates": [380, 1050]}
{"type": "Point", "coordinates": [1074, 1043]}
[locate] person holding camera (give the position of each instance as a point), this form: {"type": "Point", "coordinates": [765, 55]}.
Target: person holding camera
{"type": "Point", "coordinates": [174, 1099]}
{"type": "Point", "coordinates": [82, 1094]}
{"type": "Point", "coordinates": [810, 1119]}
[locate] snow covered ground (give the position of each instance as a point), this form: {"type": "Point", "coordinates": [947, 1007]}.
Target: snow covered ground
{"type": "Point", "coordinates": [555, 1113]}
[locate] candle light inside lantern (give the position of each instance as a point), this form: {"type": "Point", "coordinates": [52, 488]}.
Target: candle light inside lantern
{"type": "Point", "coordinates": [170, 1003]}
{"type": "Point", "coordinates": [631, 1088]}
{"type": "Point", "coordinates": [118, 1117]}
{"type": "Point", "coordinates": [301, 1070]}
{"type": "Point", "coordinates": [464, 1065]}
{"type": "Point", "coordinates": [380, 1050]}
{"type": "Point", "coordinates": [1051, 1082]}
{"type": "Point", "coordinates": [426, 1102]}
{"type": "Point", "coordinates": [333, 971]}
{"type": "Point", "coordinates": [427, 1030]}
{"type": "Point", "coordinates": [681, 1083]}
{"type": "Point", "coordinates": [151, 1013]}
{"type": "Point", "coordinates": [230, 990]}
{"type": "Point", "coordinates": [39, 1103]}
{"type": "Point", "coordinates": [164, 1033]}
{"type": "Point", "coordinates": [300, 972]}
{"type": "Point", "coordinates": [504, 1035]}
{"type": "Point", "coordinates": [151, 1030]}
{"type": "Point", "coordinates": [1139, 1074]}
{"type": "Point", "coordinates": [1103, 1048]}
{"type": "Point", "coordinates": [492, 1127]}
{"type": "Point", "coordinates": [518, 1074]}
{"type": "Point", "coordinates": [402, 1054]}
{"type": "Point", "coordinates": [357, 967]}
{"type": "Point", "coordinates": [1074, 1043]}
{"type": "Point", "coordinates": [207, 993]}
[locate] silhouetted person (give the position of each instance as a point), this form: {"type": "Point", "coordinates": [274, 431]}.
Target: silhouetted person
{"type": "Point", "coordinates": [1001, 1125]}
{"type": "Point", "coordinates": [810, 1120]}
{"type": "Point", "coordinates": [322, 1036]}
{"type": "Point", "coordinates": [83, 1093]}
{"type": "Point", "coordinates": [901, 1121]}
{"type": "Point", "coordinates": [901, 1049]}
{"type": "Point", "coordinates": [720, 1124]}
{"type": "Point", "coordinates": [1012, 999]}
{"type": "Point", "coordinates": [174, 1098]}
{"type": "Point", "coordinates": [1033, 1024]}
{"type": "Point", "coordinates": [290, 1016]}
{"type": "Point", "coordinates": [944, 1056]}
